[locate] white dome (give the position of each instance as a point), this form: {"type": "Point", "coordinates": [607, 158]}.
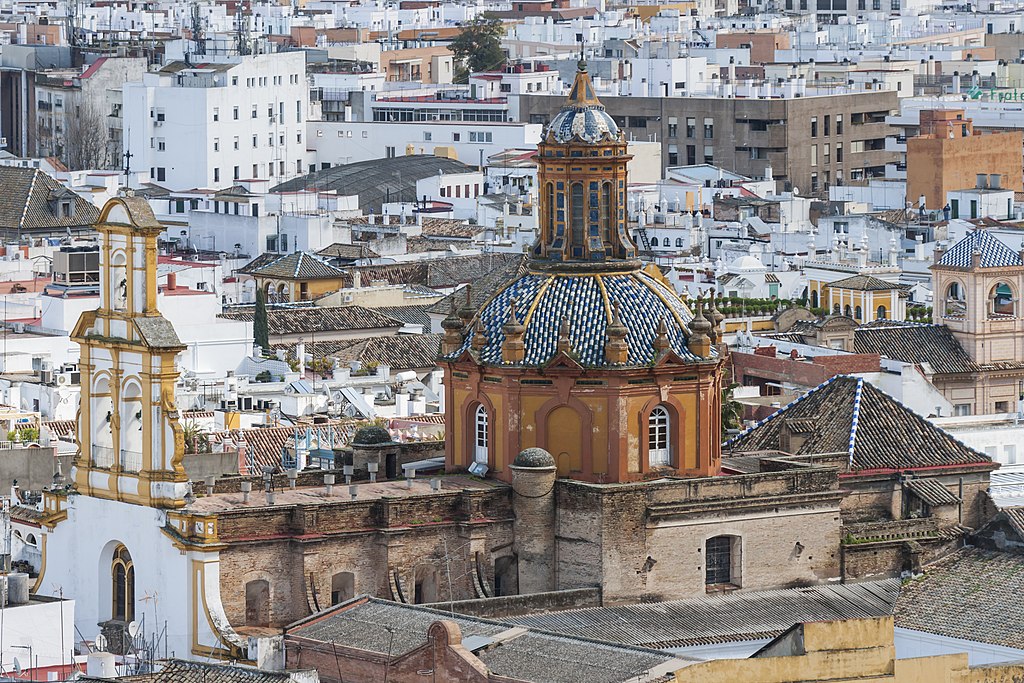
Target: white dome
{"type": "Point", "coordinates": [746, 263]}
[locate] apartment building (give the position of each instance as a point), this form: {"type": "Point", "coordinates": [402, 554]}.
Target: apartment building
{"type": "Point", "coordinates": [209, 125]}
{"type": "Point", "coordinates": [808, 142]}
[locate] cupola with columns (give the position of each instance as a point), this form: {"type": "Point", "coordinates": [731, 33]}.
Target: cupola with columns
{"type": "Point", "coordinates": [589, 354]}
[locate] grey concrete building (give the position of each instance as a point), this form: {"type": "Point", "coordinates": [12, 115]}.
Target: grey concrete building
{"type": "Point", "coordinates": [809, 142]}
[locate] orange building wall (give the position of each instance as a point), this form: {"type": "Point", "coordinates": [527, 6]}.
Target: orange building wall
{"type": "Point", "coordinates": [763, 44]}
{"type": "Point", "coordinates": [936, 165]}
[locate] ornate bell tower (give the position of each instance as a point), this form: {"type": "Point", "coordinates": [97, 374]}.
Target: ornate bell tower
{"type": "Point", "coordinates": [130, 442]}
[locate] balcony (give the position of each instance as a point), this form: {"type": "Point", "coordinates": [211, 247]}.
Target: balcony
{"type": "Point", "coordinates": [103, 456]}
{"type": "Point", "coordinates": [131, 461]}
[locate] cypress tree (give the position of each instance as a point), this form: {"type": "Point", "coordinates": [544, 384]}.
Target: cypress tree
{"type": "Point", "coordinates": [260, 328]}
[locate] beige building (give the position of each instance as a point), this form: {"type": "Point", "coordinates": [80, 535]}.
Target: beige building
{"type": "Point", "coordinates": [978, 284]}
{"type": "Point", "coordinates": [852, 650]}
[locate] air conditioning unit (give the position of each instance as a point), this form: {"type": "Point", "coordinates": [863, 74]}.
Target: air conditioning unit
{"type": "Point", "coordinates": [158, 123]}
{"type": "Point", "coordinates": [64, 380]}
{"type": "Point", "coordinates": [478, 469]}
{"type": "Point", "coordinates": [46, 377]}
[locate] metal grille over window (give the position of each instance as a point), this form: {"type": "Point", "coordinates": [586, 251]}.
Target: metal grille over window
{"type": "Point", "coordinates": [718, 555]}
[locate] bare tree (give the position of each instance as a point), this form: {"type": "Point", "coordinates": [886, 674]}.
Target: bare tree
{"type": "Point", "coordinates": [86, 140]}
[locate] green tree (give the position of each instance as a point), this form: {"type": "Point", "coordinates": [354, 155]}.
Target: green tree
{"type": "Point", "coordinates": [197, 440]}
{"type": "Point", "coordinates": [478, 47]}
{"type": "Point", "coordinates": [260, 328]}
{"type": "Point", "coordinates": [732, 410]}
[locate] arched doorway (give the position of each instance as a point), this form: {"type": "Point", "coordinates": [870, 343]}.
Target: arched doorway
{"type": "Point", "coordinates": [257, 603]}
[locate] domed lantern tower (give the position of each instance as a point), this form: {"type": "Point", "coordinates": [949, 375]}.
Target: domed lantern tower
{"type": "Point", "coordinates": [588, 355]}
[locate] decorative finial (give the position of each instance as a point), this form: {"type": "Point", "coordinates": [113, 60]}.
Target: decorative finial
{"type": "Point", "coordinates": [616, 350]}
{"type": "Point", "coordinates": [453, 327]}
{"type": "Point", "coordinates": [661, 343]}
{"type": "Point", "coordinates": [513, 350]}
{"type": "Point", "coordinates": [564, 346]}
{"type": "Point", "coordinates": [479, 338]}
{"type": "Point", "coordinates": [700, 343]}
{"type": "Point", "coordinates": [466, 313]}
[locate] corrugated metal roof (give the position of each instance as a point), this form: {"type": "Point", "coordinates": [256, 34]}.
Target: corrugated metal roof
{"type": "Point", "coordinates": [721, 618]}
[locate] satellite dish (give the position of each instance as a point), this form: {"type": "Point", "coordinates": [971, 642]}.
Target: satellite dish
{"type": "Point", "coordinates": [133, 628]}
{"type": "Point", "coordinates": [17, 666]}
{"type": "Point", "coordinates": [100, 642]}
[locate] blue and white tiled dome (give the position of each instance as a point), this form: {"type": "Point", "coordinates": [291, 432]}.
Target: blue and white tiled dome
{"type": "Point", "coordinates": [586, 302]}
{"type": "Point", "coordinates": [591, 125]}
{"type": "Point", "coordinates": [583, 118]}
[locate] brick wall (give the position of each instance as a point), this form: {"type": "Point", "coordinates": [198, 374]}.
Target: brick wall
{"type": "Point", "coordinates": [299, 548]}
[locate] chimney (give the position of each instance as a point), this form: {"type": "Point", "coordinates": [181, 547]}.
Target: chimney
{"type": "Point", "coordinates": [172, 282]}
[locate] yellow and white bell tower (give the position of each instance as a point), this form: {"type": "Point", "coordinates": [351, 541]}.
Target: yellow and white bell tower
{"type": "Point", "coordinates": [130, 441]}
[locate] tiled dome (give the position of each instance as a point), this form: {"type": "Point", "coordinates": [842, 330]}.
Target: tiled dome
{"type": "Point", "coordinates": [583, 118]}
{"type": "Point", "coordinates": [586, 302]}
{"type": "Point", "coordinates": [591, 125]}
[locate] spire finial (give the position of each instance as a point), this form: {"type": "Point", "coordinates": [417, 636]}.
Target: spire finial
{"type": "Point", "coordinates": [661, 343]}
{"type": "Point", "coordinates": [564, 345]}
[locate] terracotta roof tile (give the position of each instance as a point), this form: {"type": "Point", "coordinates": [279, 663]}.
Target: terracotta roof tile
{"type": "Point", "coordinates": [874, 429]}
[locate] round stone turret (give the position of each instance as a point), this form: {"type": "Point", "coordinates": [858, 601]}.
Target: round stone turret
{"type": "Point", "coordinates": [533, 481]}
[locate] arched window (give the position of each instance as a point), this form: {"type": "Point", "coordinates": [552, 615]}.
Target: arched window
{"type": "Point", "coordinates": [481, 435]}
{"type": "Point", "coordinates": [578, 212]}
{"type": "Point", "coordinates": [679, 241]}
{"type": "Point", "coordinates": [122, 572]}
{"type": "Point", "coordinates": [257, 603]}
{"type": "Point", "coordinates": [654, 241]}
{"type": "Point", "coordinates": [814, 299]}
{"type": "Point", "coordinates": [1002, 300]}
{"type": "Point", "coordinates": [721, 560]}
{"type": "Point", "coordinates": [858, 313]}
{"type": "Point", "coordinates": [881, 313]}
{"type": "Point", "coordinates": [847, 311]}
{"type": "Point", "coordinates": [606, 212]}
{"type": "Point", "coordinates": [956, 302]}
{"type": "Point", "coordinates": [549, 199]}
{"type": "Point", "coordinates": [835, 309]}
{"type": "Point", "coordinates": [658, 453]}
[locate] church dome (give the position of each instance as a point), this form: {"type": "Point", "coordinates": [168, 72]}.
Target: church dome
{"type": "Point", "coordinates": [583, 119]}
{"type": "Point", "coordinates": [583, 305]}
{"type": "Point", "coordinates": [746, 263]}
{"type": "Point", "coordinates": [591, 125]}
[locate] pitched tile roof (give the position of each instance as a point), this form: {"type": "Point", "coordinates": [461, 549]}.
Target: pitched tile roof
{"type": "Point", "coordinates": [178, 671]}
{"type": "Point", "coordinates": [973, 593]}
{"type": "Point", "coordinates": [439, 273]}
{"type": "Point", "coordinates": [400, 352]}
{"type": "Point", "coordinates": [484, 288]}
{"type": "Point", "coordinates": [875, 430]}
{"type": "Point", "coordinates": [347, 251]}
{"type": "Point", "coordinates": [867, 283]}
{"type": "Point", "coordinates": [410, 315]}
{"type": "Point", "coordinates": [299, 320]}
{"type": "Point", "coordinates": [931, 492]}
{"type": "Point", "coordinates": [994, 253]}
{"type": "Point", "coordinates": [724, 618]}
{"type": "Point", "coordinates": [916, 344]}
{"type": "Point", "coordinates": [300, 265]}
{"type": "Point", "coordinates": [26, 206]}
{"type": "Point", "coordinates": [381, 626]}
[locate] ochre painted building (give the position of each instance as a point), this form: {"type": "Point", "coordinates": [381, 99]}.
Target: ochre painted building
{"type": "Point", "coordinates": [851, 650]}
{"type": "Point", "coordinates": [587, 355]}
{"type": "Point", "coordinates": [948, 155]}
